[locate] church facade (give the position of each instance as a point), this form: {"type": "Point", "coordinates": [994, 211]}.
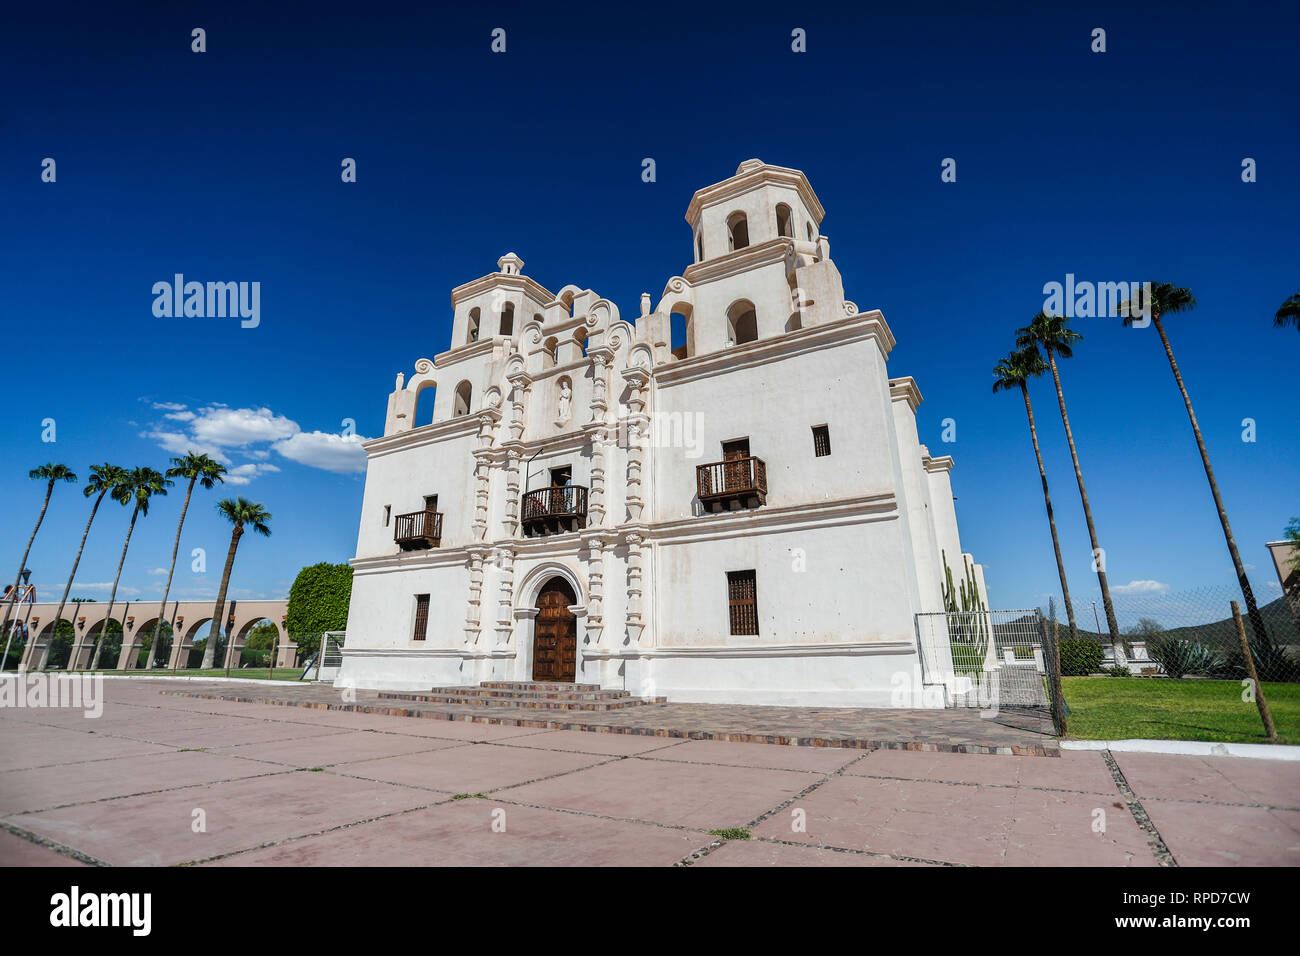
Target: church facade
{"type": "Point", "coordinates": [748, 517]}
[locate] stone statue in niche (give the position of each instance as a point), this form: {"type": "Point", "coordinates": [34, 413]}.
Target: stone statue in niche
{"type": "Point", "coordinates": [563, 411]}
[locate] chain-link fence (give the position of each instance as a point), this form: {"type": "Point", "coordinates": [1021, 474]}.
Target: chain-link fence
{"type": "Point", "coordinates": [1186, 634]}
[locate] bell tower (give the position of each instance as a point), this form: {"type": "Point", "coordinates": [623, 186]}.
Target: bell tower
{"type": "Point", "coordinates": [761, 267]}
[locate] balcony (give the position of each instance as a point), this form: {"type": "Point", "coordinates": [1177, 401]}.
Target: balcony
{"type": "Point", "coordinates": [418, 530]}
{"type": "Point", "coordinates": [734, 484]}
{"type": "Point", "coordinates": [554, 510]}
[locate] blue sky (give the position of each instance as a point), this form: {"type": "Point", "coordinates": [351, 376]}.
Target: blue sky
{"type": "Point", "coordinates": [225, 166]}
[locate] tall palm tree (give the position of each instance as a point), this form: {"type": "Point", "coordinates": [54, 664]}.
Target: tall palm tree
{"type": "Point", "coordinates": [103, 479]}
{"type": "Point", "coordinates": [1168, 299]}
{"type": "Point", "coordinates": [1288, 313]}
{"type": "Point", "coordinates": [1056, 337]}
{"type": "Point", "coordinates": [49, 473]}
{"type": "Point", "coordinates": [206, 472]}
{"type": "Point", "coordinates": [139, 485]}
{"type": "Point", "coordinates": [239, 512]}
{"type": "Point", "coordinates": [1015, 371]}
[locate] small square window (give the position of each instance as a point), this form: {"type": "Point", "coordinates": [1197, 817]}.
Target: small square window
{"type": "Point", "coordinates": [421, 617]}
{"type": "Point", "coordinates": [821, 440]}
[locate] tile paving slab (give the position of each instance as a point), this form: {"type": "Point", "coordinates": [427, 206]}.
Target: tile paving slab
{"type": "Point", "coordinates": [955, 731]}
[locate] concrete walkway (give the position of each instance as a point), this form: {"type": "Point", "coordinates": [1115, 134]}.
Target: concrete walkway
{"type": "Point", "coordinates": [162, 779]}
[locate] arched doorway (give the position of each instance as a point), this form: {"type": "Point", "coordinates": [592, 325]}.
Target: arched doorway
{"type": "Point", "coordinates": [555, 633]}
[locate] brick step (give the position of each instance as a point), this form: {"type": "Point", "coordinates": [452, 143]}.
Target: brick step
{"type": "Point", "coordinates": [530, 694]}
{"type": "Point", "coordinates": [536, 685]}
{"type": "Point", "coordinates": [522, 703]}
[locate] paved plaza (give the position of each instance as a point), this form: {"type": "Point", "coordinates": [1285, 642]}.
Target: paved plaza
{"type": "Point", "coordinates": [164, 777]}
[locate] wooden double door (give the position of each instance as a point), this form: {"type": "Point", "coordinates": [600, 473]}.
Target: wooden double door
{"type": "Point", "coordinates": [555, 633]}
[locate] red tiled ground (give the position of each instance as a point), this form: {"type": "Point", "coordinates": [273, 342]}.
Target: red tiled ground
{"type": "Point", "coordinates": [125, 788]}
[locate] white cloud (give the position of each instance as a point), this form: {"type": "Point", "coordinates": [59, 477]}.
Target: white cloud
{"type": "Point", "coordinates": [157, 571]}
{"type": "Point", "coordinates": [243, 474]}
{"type": "Point", "coordinates": [220, 431]}
{"type": "Point", "coordinates": [241, 426]}
{"type": "Point", "coordinates": [1141, 587]}
{"type": "Point", "coordinates": [325, 450]}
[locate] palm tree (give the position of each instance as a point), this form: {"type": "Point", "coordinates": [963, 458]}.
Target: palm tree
{"type": "Point", "coordinates": [1056, 337]}
{"type": "Point", "coordinates": [1289, 313]}
{"type": "Point", "coordinates": [139, 485]}
{"type": "Point", "coordinates": [103, 479]}
{"type": "Point", "coordinates": [1015, 371]}
{"type": "Point", "coordinates": [207, 472]}
{"type": "Point", "coordinates": [1168, 299]}
{"type": "Point", "coordinates": [239, 512]}
{"type": "Point", "coordinates": [49, 473]}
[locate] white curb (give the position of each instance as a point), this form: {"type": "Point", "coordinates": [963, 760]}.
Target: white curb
{"type": "Point", "coordinates": [1188, 748]}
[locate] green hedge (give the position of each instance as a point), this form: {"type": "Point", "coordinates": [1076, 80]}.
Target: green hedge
{"type": "Point", "coordinates": [318, 602]}
{"type": "Point", "coordinates": [1080, 658]}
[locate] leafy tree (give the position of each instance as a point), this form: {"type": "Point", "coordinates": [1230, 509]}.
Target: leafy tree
{"type": "Point", "coordinates": [103, 480]}
{"type": "Point", "coordinates": [1288, 313]}
{"type": "Point", "coordinates": [241, 513]}
{"type": "Point", "coordinates": [49, 474]}
{"type": "Point", "coordinates": [1015, 371]}
{"type": "Point", "coordinates": [1166, 299]}
{"type": "Point", "coordinates": [206, 472]}
{"type": "Point", "coordinates": [1054, 334]}
{"type": "Point", "coordinates": [138, 487]}
{"type": "Point", "coordinates": [318, 602]}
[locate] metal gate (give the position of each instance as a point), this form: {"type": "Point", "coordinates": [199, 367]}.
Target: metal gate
{"type": "Point", "coordinates": [986, 658]}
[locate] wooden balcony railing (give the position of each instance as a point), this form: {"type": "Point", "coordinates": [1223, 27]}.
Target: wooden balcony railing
{"type": "Point", "coordinates": [418, 530]}
{"type": "Point", "coordinates": [740, 480]}
{"type": "Point", "coordinates": [552, 510]}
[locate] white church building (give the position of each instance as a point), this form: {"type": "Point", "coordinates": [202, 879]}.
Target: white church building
{"type": "Point", "coordinates": [747, 518]}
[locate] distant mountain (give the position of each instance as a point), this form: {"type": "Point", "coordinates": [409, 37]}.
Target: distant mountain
{"type": "Point", "coordinates": [1277, 618]}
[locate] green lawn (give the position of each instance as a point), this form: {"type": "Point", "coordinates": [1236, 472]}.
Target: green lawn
{"type": "Point", "coordinates": [259, 673]}
{"type": "Point", "coordinates": [1113, 708]}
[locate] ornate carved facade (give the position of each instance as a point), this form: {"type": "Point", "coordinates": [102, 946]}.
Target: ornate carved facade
{"type": "Point", "coordinates": [769, 447]}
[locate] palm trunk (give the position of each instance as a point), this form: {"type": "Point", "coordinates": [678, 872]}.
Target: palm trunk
{"type": "Point", "coordinates": [112, 597]}
{"type": "Point", "coordinates": [162, 608]}
{"type": "Point", "coordinates": [210, 652]}
{"type": "Point", "coordinates": [58, 615]}
{"type": "Point", "coordinates": [1051, 519]}
{"type": "Point", "coordinates": [1252, 610]}
{"type": "Point", "coordinates": [18, 580]}
{"type": "Point", "coordinates": [1087, 509]}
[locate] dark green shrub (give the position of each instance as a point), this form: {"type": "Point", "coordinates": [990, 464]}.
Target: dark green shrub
{"type": "Point", "coordinates": [1080, 658]}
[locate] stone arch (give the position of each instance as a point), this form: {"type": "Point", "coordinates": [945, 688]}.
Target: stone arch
{"type": "Point", "coordinates": [473, 324]}
{"type": "Point", "coordinates": [463, 399]}
{"type": "Point", "coordinates": [526, 595]}
{"type": "Point", "coordinates": [426, 415]}
{"type": "Point", "coordinates": [681, 330]}
{"type": "Point", "coordinates": [784, 221]}
{"type": "Point", "coordinates": [531, 586]}
{"type": "Point", "coordinates": [566, 297]}
{"type": "Point", "coordinates": [742, 322]}
{"type": "Point", "coordinates": [737, 231]}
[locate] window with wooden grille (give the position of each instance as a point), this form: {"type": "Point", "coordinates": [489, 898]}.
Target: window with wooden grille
{"type": "Point", "coordinates": [742, 596]}
{"type": "Point", "coordinates": [821, 440]}
{"type": "Point", "coordinates": [421, 617]}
